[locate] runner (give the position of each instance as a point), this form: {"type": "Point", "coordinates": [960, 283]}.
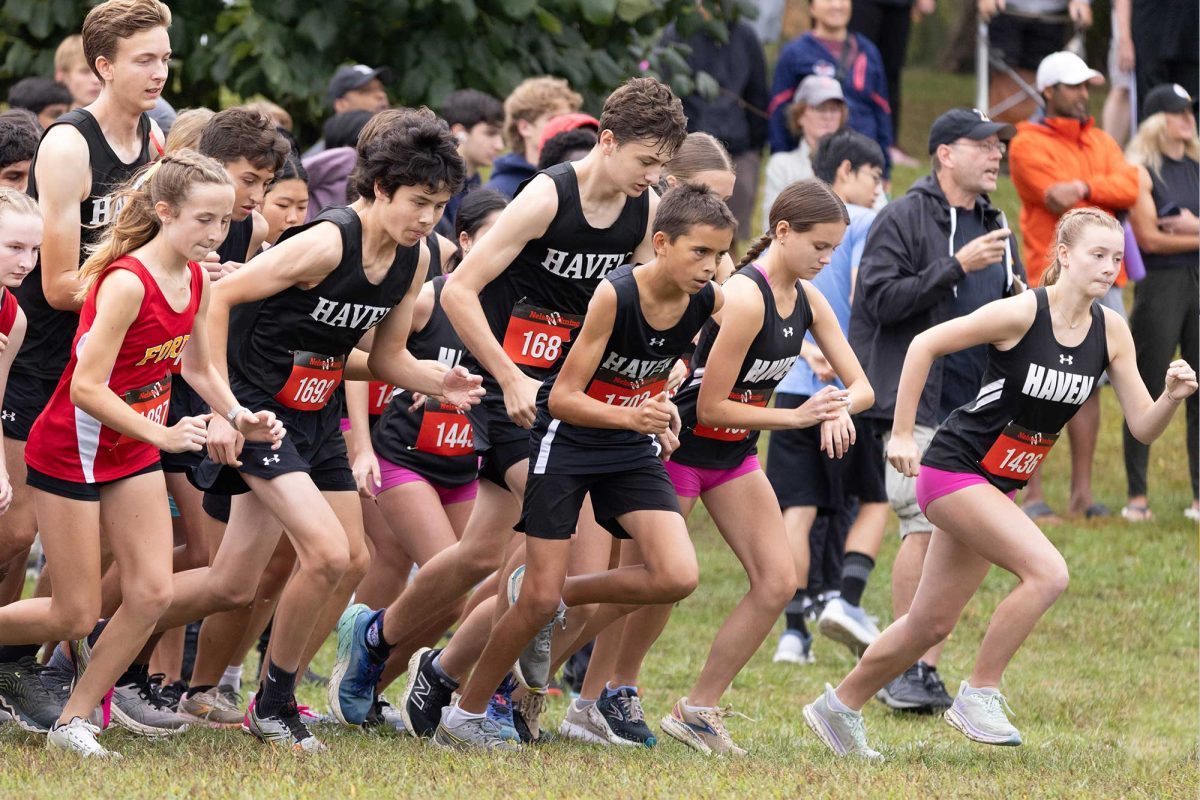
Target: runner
{"type": "Point", "coordinates": [1047, 350]}
{"type": "Point", "coordinates": [81, 161]}
{"type": "Point", "coordinates": [741, 357]}
{"type": "Point", "coordinates": [604, 423]}
{"type": "Point", "coordinates": [93, 454]}
{"type": "Point", "coordinates": [517, 305]}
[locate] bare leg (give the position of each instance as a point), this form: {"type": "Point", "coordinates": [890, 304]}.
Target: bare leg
{"type": "Point", "coordinates": [906, 575]}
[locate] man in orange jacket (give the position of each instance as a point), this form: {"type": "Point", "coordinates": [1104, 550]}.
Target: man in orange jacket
{"type": "Point", "coordinates": [1058, 162]}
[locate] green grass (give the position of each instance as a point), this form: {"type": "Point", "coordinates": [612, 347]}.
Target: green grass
{"type": "Point", "coordinates": [1105, 689]}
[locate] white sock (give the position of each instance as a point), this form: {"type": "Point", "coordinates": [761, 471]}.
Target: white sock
{"type": "Point", "coordinates": [232, 677]}
{"type": "Point", "coordinates": [456, 716]}
{"type": "Point", "coordinates": [581, 703]}
{"type": "Point", "coordinates": [836, 703]}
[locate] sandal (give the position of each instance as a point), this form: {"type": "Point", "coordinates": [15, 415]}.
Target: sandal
{"type": "Point", "coordinates": [1096, 510]}
{"type": "Point", "coordinates": [1040, 512]}
{"type": "Point", "coordinates": [1137, 512]}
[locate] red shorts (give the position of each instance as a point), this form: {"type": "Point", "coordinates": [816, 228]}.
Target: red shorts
{"type": "Point", "coordinates": [694, 481]}
{"type": "Point", "coordinates": [393, 475]}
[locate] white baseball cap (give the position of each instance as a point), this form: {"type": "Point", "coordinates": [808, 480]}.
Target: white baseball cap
{"type": "Point", "coordinates": [1067, 68]}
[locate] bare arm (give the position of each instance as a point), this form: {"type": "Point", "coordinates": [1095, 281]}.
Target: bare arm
{"type": "Point", "coordinates": [1147, 418]}
{"type": "Point", "coordinates": [15, 338]}
{"type": "Point", "coordinates": [63, 175]}
{"type": "Point", "coordinates": [644, 253]}
{"type": "Point", "coordinates": [1144, 218]}
{"type": "Point", "coordinates": [258, 235]}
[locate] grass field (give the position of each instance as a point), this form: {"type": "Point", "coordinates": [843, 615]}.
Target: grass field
{"type": "Point", "coordinates": [1105, 690]}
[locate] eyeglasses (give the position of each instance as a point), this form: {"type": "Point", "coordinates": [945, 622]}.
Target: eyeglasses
{"type": "Point", "coordinates": [987, 147]}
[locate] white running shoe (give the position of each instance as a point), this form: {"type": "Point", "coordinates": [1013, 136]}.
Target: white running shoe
{"type": "Point", "coordinates": [841, 731]}
{"type": "Point", "coordinates": [979, 715]}
{"type": "Point", "coordinates": [794, 648]}
{"type": "Point", "coordinates": [78, 736]}
{"type": "Point", "coordinates": [848, 625]}
{"type": "Point", "coordinates": [578, 725]}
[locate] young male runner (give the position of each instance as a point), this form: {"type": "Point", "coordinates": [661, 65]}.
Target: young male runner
{"type": "Point", "coordinates": [518, 304]}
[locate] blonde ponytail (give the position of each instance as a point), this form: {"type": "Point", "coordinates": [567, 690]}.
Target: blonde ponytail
{"type": "Point", "coordinates": [169, 180]}
{"type": "Point", "coordinates": [1068, 231]}
{"type": "Point", "coordinates": [12, 201]}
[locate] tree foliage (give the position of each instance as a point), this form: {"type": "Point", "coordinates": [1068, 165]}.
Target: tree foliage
{"type": "Point", "coordinates": [286, 50]}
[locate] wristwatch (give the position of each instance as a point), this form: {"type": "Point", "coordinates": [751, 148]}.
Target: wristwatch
{"type": "Point", "coordinates": [234, 412]}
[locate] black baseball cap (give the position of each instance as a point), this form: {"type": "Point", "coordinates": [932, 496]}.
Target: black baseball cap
{"type": "Point", "coordinates": [349, 78]}
{"type": "Point", "coordinates": [966, 123]}
{"type": "Point", "coordinates": [1169, 97]}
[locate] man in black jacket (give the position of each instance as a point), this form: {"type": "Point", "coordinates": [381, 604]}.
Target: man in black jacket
{"type": "Point", "coordinates": [939, 252]}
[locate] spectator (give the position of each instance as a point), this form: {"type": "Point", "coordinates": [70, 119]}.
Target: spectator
{"type": "Point", "coordinates": [185, 133]}
{"type": "Point", "coordinates": [1167, 46]}
{"type": "Point", "coordinates": [737, 114]}
{"type": "Point", "coordinates": [526, 111]}
{"type": "Point", "coordinates": [45, 97]}
{"type": "Point", "coordinates": [355, 88]}
{"type": "Point", "coordinates": [475, 119]}
{"type": "Point", "coordinates": [329, 171]}
{"type": "Point", "coordinates": [937, 253]}
{"type": "Point", "coordinates": [830, 49]}
{"type": "Point", "coordinates": [887, 23]}
{"type": "Point", "coordinates": [1166, 302]}
{"type": "Point", "coordinates": [1118, 111]}
{"type": "Point", "coordinates": [818, 109]}
{"type": "Point", "coordinates": [72, 70]}
{"type": "Point", "coordinates": [281, 117]}
{"type": "Point", "coordinates": [1024, 32]}
{"type": "Point", "coordinates": [1059, 162]}
{"type": "Point", "coordinates": [17, 145]}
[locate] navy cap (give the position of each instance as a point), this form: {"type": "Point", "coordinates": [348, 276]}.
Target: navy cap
{"type": "Point", "coordinates": [966, 123]}
{"type": "Point", "coordinates": [349, 78]}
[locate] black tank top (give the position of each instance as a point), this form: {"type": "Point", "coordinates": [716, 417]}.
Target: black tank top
{"type": "Point", "coordinates": [536, 306]}
{"type": "Point", "coordinates": [237, 241]}
{"type": "Point", "coordinates": [294, 344]}
{"type": "Point", "coordinates": [436, 441]}
{"type": "Point", "coordinates": [47, 345]}
{"type": "Point", "coordinates": [435, 256]}
{"type": "Point", "coordinates": [636, 364]}
{"type": "Point", "coordinates": [770, 357]}
{"type": "Point", "coordinates": [1029, 393]}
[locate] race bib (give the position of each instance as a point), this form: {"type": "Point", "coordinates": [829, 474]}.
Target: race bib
{"type": "Point", "coordinates": [1017, 452]}
{"type": "Point", "coordinates": [313, 379]}
{"type": "Point", "coordinates": [750, 398]}
{"type": "Point", "coordinates": [151, 401]}
{"type": "Point", "coordinates": [445, 431]}
{"type": "Point", "coordinates": [380, 394]}
{"type": "Point", "coordinates": [537, 337]}
{"type": "Point", "coordinates": [617, 390]}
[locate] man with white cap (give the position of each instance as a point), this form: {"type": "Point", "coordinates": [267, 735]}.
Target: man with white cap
{"type": "Point", "coordinates": [1061, 161]}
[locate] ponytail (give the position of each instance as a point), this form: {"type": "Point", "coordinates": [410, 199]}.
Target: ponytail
{"type": "Point", "coordinates": [801, 205]}
{"type": "Point", "coordinates": [14, 202]}
{"type": "Point", "coordinates": [1068, 231]}
{"type": "Point", "coordinates": [169, 180]}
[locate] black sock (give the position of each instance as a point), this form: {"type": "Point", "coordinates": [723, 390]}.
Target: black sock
{"type": "Point", "coordinates": [377, 646]}
{"type": "Point", "coordinates": [794, 613]}
{"type": "Point", "coordinates": [856, 568]}
{"type": "Point", "coordinates": [278, 690]}
{"type": "Point", "coordinates": [137, 673]}
{"type": "Point", "coordinates": [12, 653]}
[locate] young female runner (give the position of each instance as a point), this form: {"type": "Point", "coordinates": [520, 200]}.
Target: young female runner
{"type": "Point", "coordinates": [742, 355]}
{"type": "Point", "coordinates": [1047, 348]}
{"type": "Point", "coordinates": [93, 453]}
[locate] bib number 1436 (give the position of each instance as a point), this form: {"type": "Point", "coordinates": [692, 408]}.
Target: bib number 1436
{"type": "Point", "coordinates": [1017, 452]}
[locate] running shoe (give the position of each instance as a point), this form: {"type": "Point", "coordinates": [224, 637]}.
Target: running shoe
{"type": "Point", "coordinates": [841, 731]}
{"type": "Point", "coordinates": [578, 725]}
{"type": "Point", "coordinates": [702, 729]}
{"type": "Point", "coordinates": [81, 656]}
{"type": "Point", "coordinates": [500, 709]}
{"type": "Point", "coordinates": [137, 707]}
{"type": "Point", "coordinates": [472, 733]}
{"type": "Point", "coordinates": [979, 715]}
{"type": "Point", "coordinates": [284, 729]}
{"type": "Point", "coordinates": [425, 695]}
{"type": "Point", "coordinates": [795, 647]}
{"type": "Point", "coordinates": [909, 691]}
{"type": "Point", "coordinates": [78, 736]}
{"type": "Point", "coordinates": [351, 687]}
{"type": "Point", "coordinates": [5, 716]}
{"type": "Point", "coordinates": [385, 715]}
{"type": "Point", "coordinates": [24, 695]}
{"type": "Point", "coordinates": [212, 708]}
{"type": "Point", "coordinates": [532, 669]}
{"type": "Point", "coordinates": [621, 719]}
{"type": "Point", "coordinates": [172, 693]}
{"type": "Point", "coordinates": [527, 718]}
{"type": "Point", "coordinates": [937, 689]}
{"type": "Point", "coordinates": [848, 625]}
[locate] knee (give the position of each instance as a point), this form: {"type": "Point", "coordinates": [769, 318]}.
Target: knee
{"type": "Point", "coordinates": [228, 592]}
{"type": "Point", "coordinates": [680, 582]}
{"type": "Point", "coordinates": [360, 562]}
{"type": "Point", "coordinates": [149, 597]}
{"type": "Point", "coordinates": [539, 601]}
{"type": "Point", "coordinates": [478, 564]}
{"type": "Point", "coordinates": [74, 620]}
{"type": "Point", "coordinates": [1052, 580]}
{"type": "Point", "coordinates": [328, 564]}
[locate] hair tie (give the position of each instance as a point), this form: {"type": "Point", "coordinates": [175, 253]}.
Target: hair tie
{"type": "Point", "coordinates": [145, 177]}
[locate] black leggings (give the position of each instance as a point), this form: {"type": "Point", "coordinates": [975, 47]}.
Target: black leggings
{"type": "Point", "coordinates": [887, 26]}
{"type": "Point", "coordinates": [1166, 306]}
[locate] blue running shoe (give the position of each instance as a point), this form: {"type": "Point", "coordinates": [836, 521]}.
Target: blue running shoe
{"type": "Point", "coordinates": [500, 709]}
{"type": "Point", "coordinates": [355, 673]}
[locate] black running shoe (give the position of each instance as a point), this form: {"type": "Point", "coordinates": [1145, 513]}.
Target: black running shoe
{"type": "Point", "coordinates": [910, 691]}
{"type": "Point", "coordinates": [624, 719]}
{"type": "Point", "coordinates": [426, 694]}
{"type": "Point", "coordinates": [24, 695]}
{"type": "Point", "coordinates": [937, 689]}
{"type": "Point", "coordinates": [170, 694]}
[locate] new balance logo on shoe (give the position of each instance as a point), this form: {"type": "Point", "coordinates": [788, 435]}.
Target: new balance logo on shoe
{"type": "Point", "coordinates": [269, 460]}
{"type": "Point", "coordinates": [420, 692]}
{"type": "Point", "coordinates": [1066, 359]}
